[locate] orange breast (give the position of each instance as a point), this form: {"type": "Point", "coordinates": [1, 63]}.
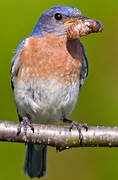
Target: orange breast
{"type": "Point", "coordinates": [43, 58]}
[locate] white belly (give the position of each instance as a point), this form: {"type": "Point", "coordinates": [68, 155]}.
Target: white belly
{"type": "Point", "coordinates": [46, 102]}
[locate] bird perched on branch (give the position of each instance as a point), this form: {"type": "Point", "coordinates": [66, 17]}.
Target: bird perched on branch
{"type": "Point", "coordinates": [48, 70]}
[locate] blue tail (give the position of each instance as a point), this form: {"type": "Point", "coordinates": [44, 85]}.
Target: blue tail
{"type": "Point", "coordinates": [35, 162]}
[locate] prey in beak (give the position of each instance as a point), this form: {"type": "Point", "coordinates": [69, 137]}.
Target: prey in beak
{"type": "Point", "coordinates": [82, 26]}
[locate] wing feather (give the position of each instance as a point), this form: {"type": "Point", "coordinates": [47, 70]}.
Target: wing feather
{"type": "Point", "coordinates": [84, 72]}
{"type": "Point", "coordinates": [15, 63]}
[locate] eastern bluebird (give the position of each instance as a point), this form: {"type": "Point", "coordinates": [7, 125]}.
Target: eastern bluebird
{"type": "Point", "coordinates": [48, 70]}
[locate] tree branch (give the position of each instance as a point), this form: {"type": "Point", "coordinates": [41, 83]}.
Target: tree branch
{"type": "Point", "coordinates": [60, 136]}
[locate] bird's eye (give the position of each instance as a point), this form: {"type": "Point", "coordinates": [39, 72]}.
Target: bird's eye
{"type": "Point", "coordinates": [58, 16]}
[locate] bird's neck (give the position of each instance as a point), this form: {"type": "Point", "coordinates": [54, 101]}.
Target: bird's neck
{"type": "Point", "coordinates": [51, 57]}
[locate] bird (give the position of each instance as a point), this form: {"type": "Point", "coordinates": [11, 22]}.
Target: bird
{"type": "Point", "coordinates": [47, 73]}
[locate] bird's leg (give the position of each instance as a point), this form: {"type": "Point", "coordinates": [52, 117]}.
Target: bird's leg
{"type": "Point", "coordinates": [78, 126]}
{"type": "Point", "coordinates": [24, 122]}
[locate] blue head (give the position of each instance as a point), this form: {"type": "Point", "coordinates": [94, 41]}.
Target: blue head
{"type": "Point", "coordinates": [56, 20]}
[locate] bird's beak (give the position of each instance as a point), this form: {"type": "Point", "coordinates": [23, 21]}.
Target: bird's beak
{"type": "Point", "coordinates": [81, 26]}
{"type": "Point", "coordinates": [69, 22]}
{"type": "Point", "coordinates": [74, 19]}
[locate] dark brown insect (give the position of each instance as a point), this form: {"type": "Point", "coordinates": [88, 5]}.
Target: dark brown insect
{"type": "Point", "coordinates": [83, 27]}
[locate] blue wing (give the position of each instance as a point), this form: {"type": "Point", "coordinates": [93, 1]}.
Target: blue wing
{"type": "Point", "coordinates": [84, 72]}
{"type": "Point", "coordinates": [15, 63]}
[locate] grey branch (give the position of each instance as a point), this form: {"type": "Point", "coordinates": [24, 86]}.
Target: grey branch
{"type": "Point", "coordinates": [60, 136]}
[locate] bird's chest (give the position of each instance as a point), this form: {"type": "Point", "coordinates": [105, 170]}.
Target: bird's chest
{"type": "Point", "coordinates": [43, 58]}
{"type": "Point", "coordinates": [46, 101]}
{"type": "Point", "coordinates": [47, 84]}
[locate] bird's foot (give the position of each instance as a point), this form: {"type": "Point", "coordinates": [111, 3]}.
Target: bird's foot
{"type": "Point", "coordinates": [25, 122]}
{"type": "Point", "coordinates": [78, 126]}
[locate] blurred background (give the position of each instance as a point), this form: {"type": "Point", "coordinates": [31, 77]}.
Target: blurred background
{"type": "Point", "coordinates": [98, 100]}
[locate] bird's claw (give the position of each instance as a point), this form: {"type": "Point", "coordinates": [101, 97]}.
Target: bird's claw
{"type": "Point", "coordinates": [24, 123]}
{"type": "Point", "coordinates": [78, 126]}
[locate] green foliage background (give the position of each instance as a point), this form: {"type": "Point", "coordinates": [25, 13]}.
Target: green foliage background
{"type": "Point", "coordinates": [98, 101]}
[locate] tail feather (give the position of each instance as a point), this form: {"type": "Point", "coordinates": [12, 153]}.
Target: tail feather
{"type": "Point", "coordinates": [35, 162]}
